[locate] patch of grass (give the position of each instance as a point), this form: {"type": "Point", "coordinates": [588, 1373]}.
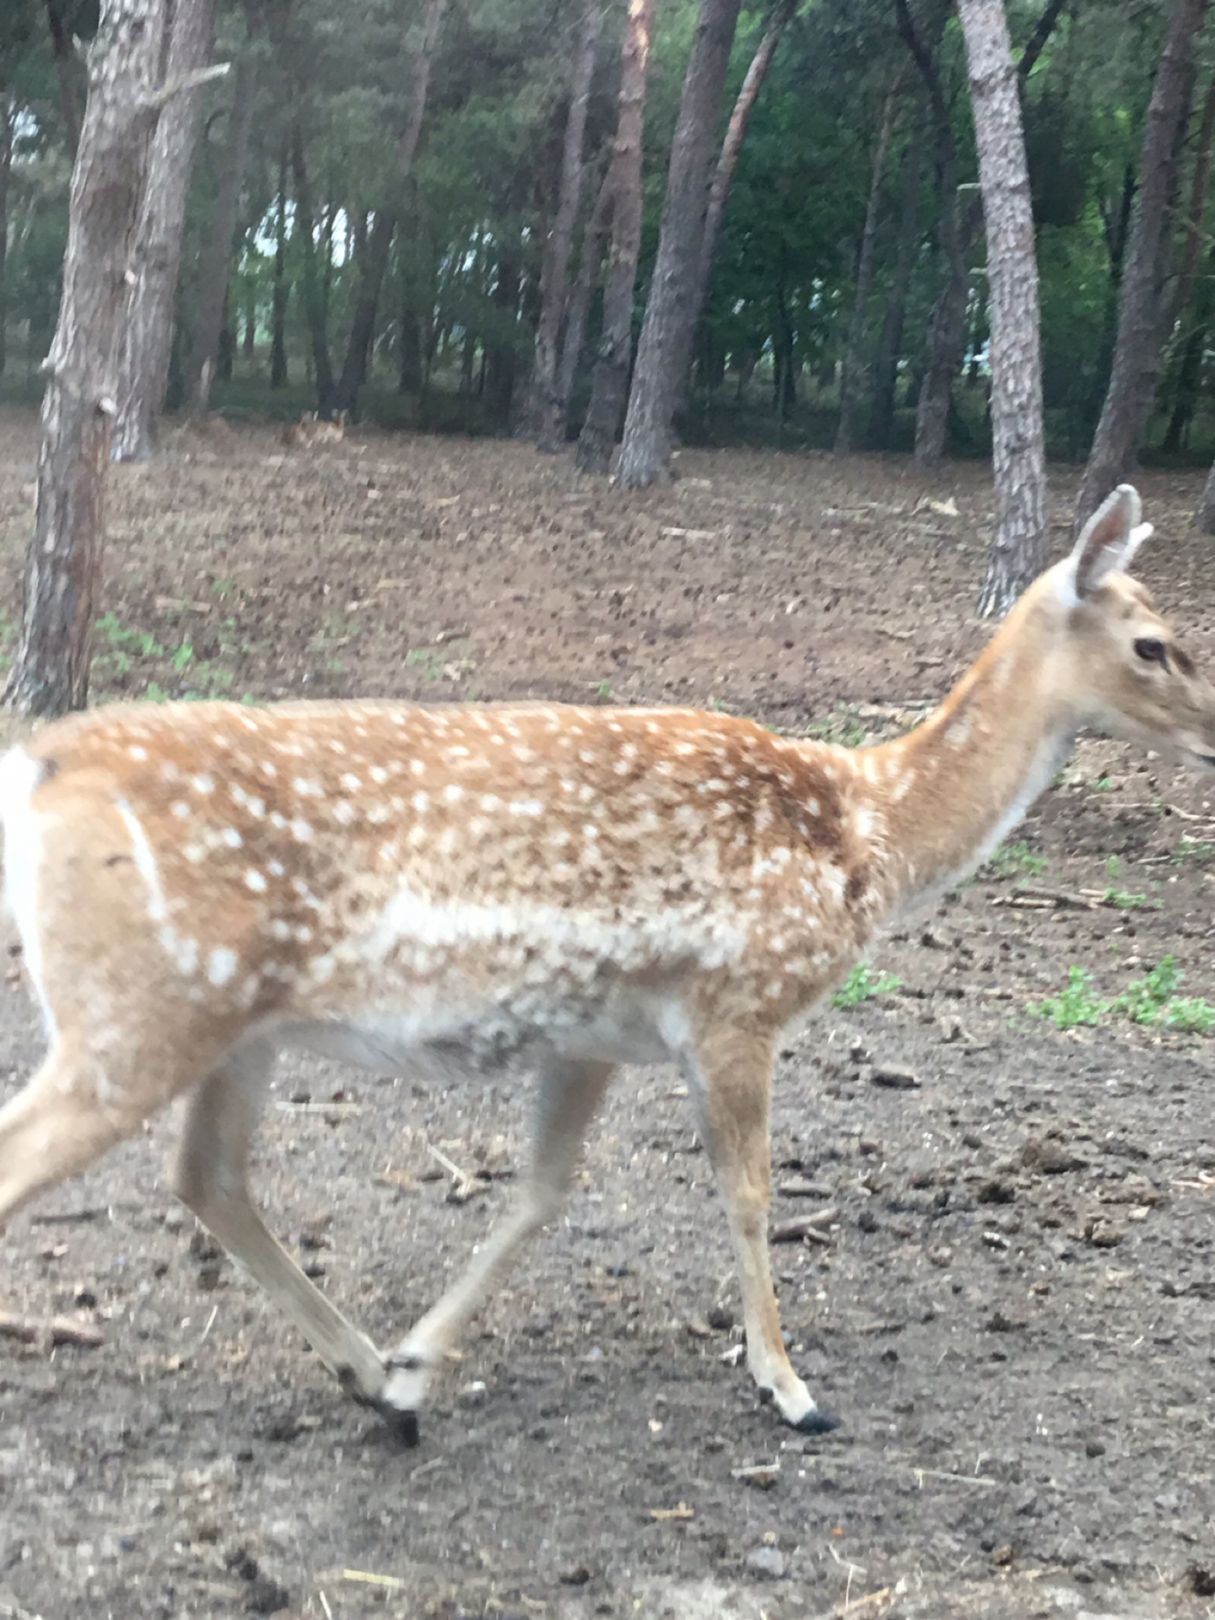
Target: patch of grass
{"type": "Point", "coordinates": [1127, 900]}
{"type": "Point", "coordinates": [1015, 860]}
{"type": "Point", "coordinates": [1151, 1001]}
{"type": "Point", "coordinates": [1078, 1004]}
{"type": "Point", "coordinates": [1193, 852]}
{"type": "Point", "coordinates": [843, 726]}
{"type": "Point", "coordinates": [430, 663]}
{"type": "Point", "coordinates": [1104, 784]}
{"type": "Point", "coordinates": [863, 984]}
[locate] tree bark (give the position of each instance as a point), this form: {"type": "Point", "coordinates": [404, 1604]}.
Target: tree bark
{"type": "Point", "coordinates": [63, 562]}
{"type": "Point", "coordinates": [544, 417]}
{"type": "Point", "coordinates": [610, 377]}
{"type": "Point", "coordinates": [372, 260]}
{"type": "Point", "coordinates": [1018, 547]}
{"type": "Point", "coordinates": [594, 242]}
{"type": "Point", "coordinates": [148, 334]}
{"type": "Point", "coordinates": [890, 344]}
{"type": "Point", "coordinates": [958, 230]}
{"type": "Point", "coordinates": [1141, 303]}
{"type": "Point", "coordinates": [8, 118]}
{"type": "Point", "coordinates": [282, 287]}
{"type": "Point", "coordinates": [215, 261]}
{"type": "Point", "coordinates": [727, 163]}
{"type": "Point", "coordinates": [666, 332]}
{"type": "Point", "coordinates": [853, 373]}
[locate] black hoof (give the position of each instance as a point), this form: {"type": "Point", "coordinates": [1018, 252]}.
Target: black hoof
{"type": "Point", "coordinates": [818, 1420]}
{"type": "Point", "coordinates": [403, 1425]}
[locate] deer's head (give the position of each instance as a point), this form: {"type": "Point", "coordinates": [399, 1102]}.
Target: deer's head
{"type": "Point", "coordinates": [1124, 668]}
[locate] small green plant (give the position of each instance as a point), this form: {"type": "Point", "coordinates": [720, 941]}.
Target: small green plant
{"type": "Point", "coordinates": [1113, 867]}
{"type": "Point", "coordinates": [1015, 860]}
{"type": "Point", "coordinates": [430, 663]}
{"type": "Point", "coordinates": [1127, 900]}
{"type": "Point", "coordinates": [843, 725]}
{"type": "Point", "coordinates": [1104, 784]}
{"type": "Point", "coordinates": [112, 630]}
{"type": "Point", "coordinates": [1078, 1004]}
{"type": "Point", "coordinates": [603, 691]}
{"type": "Point", "coordinates": [183, 657]}
{"type": "Point", "coordinates": [1150, 1001]}
{"type": "Point", "coordinates": [1193, 851]}
{"type": "Point", "coordinates": [863, 984]}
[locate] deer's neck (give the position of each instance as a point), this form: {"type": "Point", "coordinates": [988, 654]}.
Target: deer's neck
{"type": "Point", "coordinates": [949, 791]}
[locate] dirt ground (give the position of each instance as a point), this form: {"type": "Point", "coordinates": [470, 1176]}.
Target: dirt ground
{"type": "Point", "coordinates": [1014, 1308]}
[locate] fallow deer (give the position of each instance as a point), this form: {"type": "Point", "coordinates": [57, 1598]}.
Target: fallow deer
{"type": "Point", "coordinates": [312, 428]}
{"type": "Point", "coordinates": [560, 890]}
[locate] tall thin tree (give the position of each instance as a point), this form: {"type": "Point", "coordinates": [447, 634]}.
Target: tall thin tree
{"type": "Point", "coordinates": [779, 17]}
{"type": "Point", "coordinates": [853, 373]}
{"type": "Point", "coordinates": [645, 453]}
{"type": "Point", "coordinates": [1018, 547]}
{"type": "Point", "coordinates": [610, 376]}
{"type": "Point", "coordinates": [63, 561]}
{"type": "Point", "coordinates": [215, 260]}
{"type": "Point", "coordinates": [372, 260]}
{"type": "Point", "coordinates": [545, 417]}
{"type": "Point", "coordinates": [1142, 304]}
{"type": "Point", "coordinates": [148, 329]}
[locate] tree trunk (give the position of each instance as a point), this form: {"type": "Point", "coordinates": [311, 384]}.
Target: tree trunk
{"type": "Point", "coordinates": [8, 119]}
{"type": "Point", "coordinates": [215, 260]}
{"type": "Point", "coordinates": [853, 376]}
{"type": "Point", "coordinates": [371, 262]}
{"type": "Point", "coordinates": [1189, 377]}
{"type": "Point", "coordinates": [666, 331]}
{"type": "Point", "coordinates": [959, 228]}
{"type": "Point", "coordinates": [1205, 515]}
{"type": "Point", "coordinates": [727, 163]}
{"type": "Point", "coordinates": [148, 334]}
{"type": "Point", "coordinates": [314, 300]}
{"type": "Point", "coordinates": [947, 330]}
{"type": "Point", "coordinates": [282, 287]}
{"type": "Point", "coordinates": [594, 241]}
{"type": "Point", "coordinates": [70, 77]}
{"type": "Point", "coordinates": [610, 377]}
{"type": "Point", "coordinates": [1132, 384]}
{"type": "Point", "coordinates": [1018, 548]}
{"type": "Point", "coordinates": [545, 417]}
{"type": "Point", "coordinates": [63, 562]}
{"type": "Point", "coordinates": [890, 344]}
{"type": "Point", "coordinates": [502, 362]}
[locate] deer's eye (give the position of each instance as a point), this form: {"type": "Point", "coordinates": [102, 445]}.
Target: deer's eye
{"type": "Point", "coordinates": [1152, 651]}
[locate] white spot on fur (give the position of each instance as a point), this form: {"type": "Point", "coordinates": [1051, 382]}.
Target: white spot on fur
{"type": "Point", "coordinates": [221, 965]}
{"type": "Point", "coordinates": [255, 880]}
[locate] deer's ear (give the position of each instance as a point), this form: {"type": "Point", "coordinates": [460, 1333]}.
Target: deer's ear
{"type": "Point", "coordinates": [1109, 540]}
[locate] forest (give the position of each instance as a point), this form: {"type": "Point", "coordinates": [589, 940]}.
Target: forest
{"type": "Point", "coordinates": [448, 216]}
{"type": "Point", "coordinates": [553, 537]}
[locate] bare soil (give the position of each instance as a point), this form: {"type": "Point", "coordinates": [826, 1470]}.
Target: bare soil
{"type": "Point", "coordinates": [1015, 1308]}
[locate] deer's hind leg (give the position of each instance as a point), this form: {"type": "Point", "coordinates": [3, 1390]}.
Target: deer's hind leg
{"type": "Point", "coordinates": [210, 1176]}
{"type": "Point", "coordinates": [67, 1116]}
{"type": "Point", "coordinates": [732, 1073]}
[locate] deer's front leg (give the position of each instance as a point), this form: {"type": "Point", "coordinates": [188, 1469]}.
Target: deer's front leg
{"type": "Point", "coordinates": [732, 1071]}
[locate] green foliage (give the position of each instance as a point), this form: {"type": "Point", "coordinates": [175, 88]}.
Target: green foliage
{"type": "Point", "coordinates": [1193, 852]}
{"type": "Point", "coordinates": [1151, 1001]}
{"type": "Point", "coordinates": [1077, 1004]}
{"type": "Point", "coordinates": [843, 726]}
{"type": "Point", "coordinates": [863, 984]}
{"type": "Point", "coordinates": [1015, 860]}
